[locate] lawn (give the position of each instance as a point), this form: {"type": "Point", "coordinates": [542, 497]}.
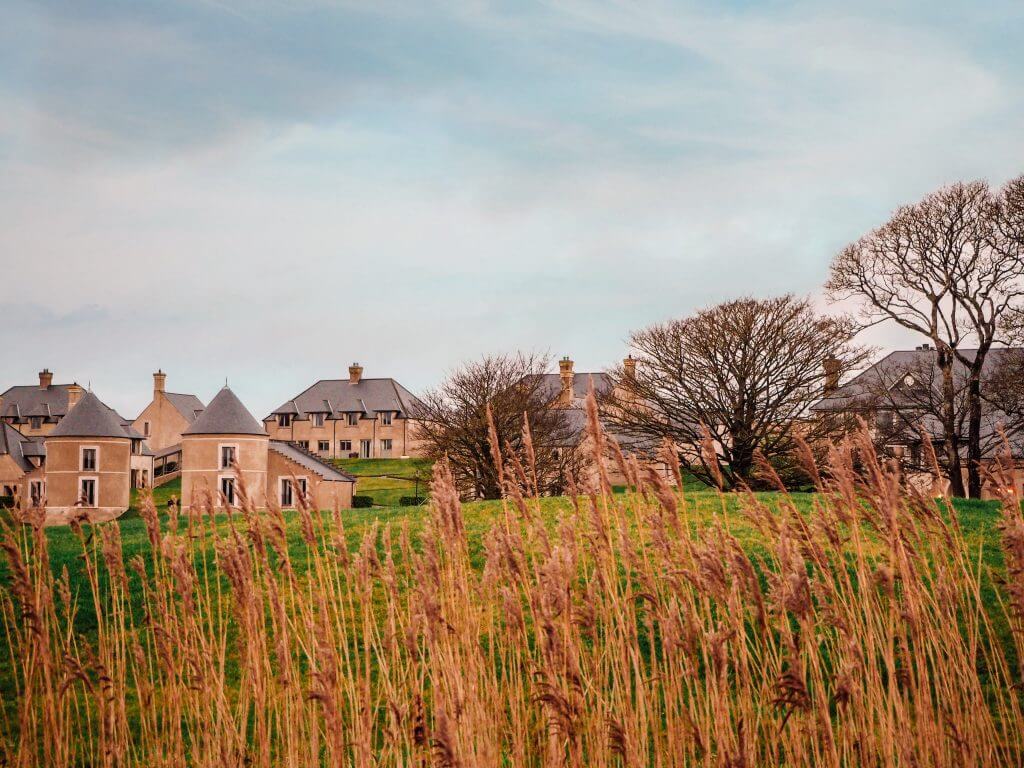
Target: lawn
{"type": "Point", "coordinates": [386, 481]}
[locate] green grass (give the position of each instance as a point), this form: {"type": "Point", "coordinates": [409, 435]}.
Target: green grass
{"type": "Point", "coordinates": [388, 480]}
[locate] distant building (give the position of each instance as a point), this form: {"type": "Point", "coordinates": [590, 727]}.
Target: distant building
{"type": "Point", "coordinates": [226, 450]}
{"type": "Point", "coordinates": [900, 393]}
{"type": "Point", "coordinates": [349, 418]}
{"type": "Point", "coordinates": [167, 415]}
{"type": "Point", "coordinates": [86, 459]}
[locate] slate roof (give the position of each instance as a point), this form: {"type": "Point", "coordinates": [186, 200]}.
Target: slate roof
{"type": "Point", "coordinates": [310, 461]}
{"type": "Point", "coordinates": [189, 406]}
{"type": "Point", "coordinates": [336, 397]}
{"type": "Point", "coordinates": [27, 400]}
{"type": "Point", "coordinates": [90, 418]}
{"type": "Point", "coordinates": [225, 415]}
{"type": "Point", "coordinates": [551, 385]}
{"type": "Point", "coordinates": [13, 443]}
{"type": "Point", "coordinates": [885, 386]}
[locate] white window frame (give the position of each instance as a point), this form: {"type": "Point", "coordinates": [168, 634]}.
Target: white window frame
{"type": "Point", "coordinates": [353, 419]}
{"type": "Point", "coordinates": [282, 483]}
{"type": "Point", "coordinates": [220, 454]}
{"type": "Point", "coordinates": [36, 498]}
{"type": "Point", "coordinates": [220, 489]}
{"type": "Point", "coordinates": [345, 446]}
{"type": "Point", "coordinates": [284, 419]}
{"type": "Point", "coordinates": [369, 453]}
{"type": "Point", "coordinates": [323, 446]}
{"type": "Point", "coordinates": [96, 458]}
{"type": "Point", "coordinates": [390, 445]}
{"type": "Point", "coordinates": [95, 489]}
{"type": "Point", "coordinates": [317, 419]}
{"type": "Point", "coordinates": [386, 417]}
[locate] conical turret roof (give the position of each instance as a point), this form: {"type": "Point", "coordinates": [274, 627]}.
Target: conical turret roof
{"type": "Point", "coordinates": [90, 418]}
{"type": "Point", "coordinates": [225, 415]}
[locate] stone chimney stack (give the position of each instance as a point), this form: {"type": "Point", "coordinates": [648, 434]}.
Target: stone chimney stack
{"type": "Point", "coordinates": [45, 378]}
{"type": "Point", "coordinates": [832, 368]}
{"type": "Point", "coordinates": [565, 397]}
{"type": "Point", "coordinates": [74, 395]}
{"type": "Point", "coordinates": [159, 382]}
{"type": "Point", "coordinates": [629, 367]}
{"type": "Point", "coordinates": [355, 373]}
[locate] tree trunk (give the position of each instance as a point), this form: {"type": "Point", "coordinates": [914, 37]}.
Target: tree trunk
{"type": "Point", "coordinates": [954, 468]}
{"type": "Point", "coordinates": [974, 430]}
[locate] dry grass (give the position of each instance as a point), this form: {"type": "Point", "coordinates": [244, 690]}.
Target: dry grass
{"type": "Point", "coordinates": [623, 635]}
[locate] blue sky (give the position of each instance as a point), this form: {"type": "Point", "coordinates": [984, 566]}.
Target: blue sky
{"type": "Point", "coordinates": [267, 190]}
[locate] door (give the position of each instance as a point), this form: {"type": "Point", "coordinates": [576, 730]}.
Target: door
{"type": "Point", "coordinates": [365, 448]}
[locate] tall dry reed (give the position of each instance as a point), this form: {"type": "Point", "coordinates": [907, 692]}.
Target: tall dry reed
{"type": "Point", "coordinates": [621, 631]}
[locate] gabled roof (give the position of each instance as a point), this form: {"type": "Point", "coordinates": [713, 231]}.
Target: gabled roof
{"type": "Point", "coordinates": [13, 444]}
{"type": "Point", "coordinates": [90, 418]}
{"type": "Point", "coordinates": [189, 406]}
{"type": "Point", "coordinates": [27, 400]}
{"type": "Point", "coordinates": [225, 415]}
{"type": "Point", "coordinates": [336, 397]}
{"type": "Point", "coordinates": [310, 461]}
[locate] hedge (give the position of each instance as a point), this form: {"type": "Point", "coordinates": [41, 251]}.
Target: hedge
{"type": "Point", "coordinates": [361, 502]}
{"type": "Point", "coordinates": [411, 501]}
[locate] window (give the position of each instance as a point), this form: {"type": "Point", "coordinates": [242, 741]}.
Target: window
{"type": "Point", "coordinates": [318, 419]}
{"type": "Point", "coordinates": [286, 492]}
{"type": "Point", "coordinates": [36, 492]}
{"type": "Point", "coordinates": [385, 447]}
{"type": "Point", "coordinates": [284, 419]}
{"type": "Point", "coordinates": [145, 428]}
{"type": "Point", "coordinates": [227, 489]}
{"type": "Point", "coordinates": [344, 445]}
{"type": "Point", "coordinates": [87, 491]}
{"type": "Point", "coordinates": [10, 491]}
{"type": "Point", "coordinates": [303, 444]}
{"type": "Point", "coordinates": [228, 456]}
{"type": "Point", "coordinates": [89, 459]}
{"type": "Point", "coordinates": [36, 422]}
{"type": "Point", "coordinates": [353, 419]}
{"type": "Point", "coordinates": [137, 447]}
{"type": "Point", "coordinates": [323, 446]}
{"type": "Point", "coordinates": [365, 448]}
{"type": "Point", "coordinates": [385, 418]}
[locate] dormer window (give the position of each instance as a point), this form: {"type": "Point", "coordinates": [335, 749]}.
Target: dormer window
{"type": "Point", "coordinates": [385, 418]}
{"type": "Point", "coordinates": [284, 419]}
{"type": "Point", "coordinates": [353, 419]}
{"type": "Point", "coordinates": [36, 422]}
{"type": "Point", "coordinates": [318, 419]}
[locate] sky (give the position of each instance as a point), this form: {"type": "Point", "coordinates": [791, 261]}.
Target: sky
{"type": "Point", "coordinates": [263, 192]}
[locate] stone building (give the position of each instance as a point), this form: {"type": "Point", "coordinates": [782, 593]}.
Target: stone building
{"type": "Point", "coordinates": [349, 418]}
{"type": "Point", "coordinates": [226, 452]}
{"type": "Point", "coordinates": [168, 414]}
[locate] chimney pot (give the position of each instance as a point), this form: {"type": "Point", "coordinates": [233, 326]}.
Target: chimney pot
{"type": "Point", "coordinates": [355, 373]}
{"type": "Point", "coordinates": [45, 378]}
{"type": "Point", "coordinates": [159, 381]}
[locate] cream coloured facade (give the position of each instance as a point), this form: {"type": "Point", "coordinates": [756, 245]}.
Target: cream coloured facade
{"type": "Point", "coordinates": [226, 453]}
{"type": "Point", "coordinates": [167, 415]}
{"type": "Point", "coordinates": [357, 417]}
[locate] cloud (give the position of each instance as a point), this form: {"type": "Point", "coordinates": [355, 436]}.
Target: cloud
{"type": "Point", "coordinates": [267, 191]}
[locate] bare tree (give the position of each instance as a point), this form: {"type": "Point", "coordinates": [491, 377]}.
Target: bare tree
{"type": "Point", "coordinates": [454, 423]}
{"type": "Point", "coordinates": [747, 371]}
{"type": "Point", "coordinates": [948, 267]}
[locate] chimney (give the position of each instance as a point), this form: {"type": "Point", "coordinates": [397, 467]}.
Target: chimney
{"type": "Point", "coordinates": [355, 373]}
{"type": "Point", "coordinates": [74, 395]}
{"type": "Point", "coordinates": [565, 397]}
{"type": "Point", "coordinates": [629, 367]}
{"type": "Point", "coordinates": [159, 381]}
{"type": "Point", "coordinates": [832, 368]}
{"type": "Point", "coordinates": [45, 378]}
